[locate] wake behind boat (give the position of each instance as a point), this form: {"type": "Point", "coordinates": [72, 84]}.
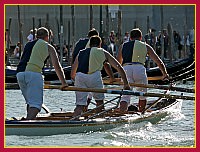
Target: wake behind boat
{"type": "Point", "coordinates": [64, 123]}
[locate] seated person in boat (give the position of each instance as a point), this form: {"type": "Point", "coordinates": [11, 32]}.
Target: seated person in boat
{"type": "Point", "coordinates": [132, 56]}
{"type": "Point", "coordinates": [86, 71]}
{"type": "Point", "coordinates": [29, 70]}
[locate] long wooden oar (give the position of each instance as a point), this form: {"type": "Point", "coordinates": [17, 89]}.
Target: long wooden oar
{"type": "Point", "coordinates": [119, 82]}
{"type": "Point", "coordinates": [153, 86]}
{"type": "Point", "coordinates": [123, 92]}
{"type": "Point", "coordinates": [16, 86]}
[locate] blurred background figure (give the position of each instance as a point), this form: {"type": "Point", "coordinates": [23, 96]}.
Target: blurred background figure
{"type": "Point", "coordinates": [16, 50]}
{"type": "Point", "coordinates": [126, 37]}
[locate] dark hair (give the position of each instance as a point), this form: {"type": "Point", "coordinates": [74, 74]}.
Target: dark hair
{"type": "Point", "coordinates": [18, 43]}
{"type": "Point", "coordinates": [42, 32]}
{"type": "Point", "coordinates": [95, 41]}
{"type": "Point", "coordinates": [135, 33]}
{"type": "Point", "coordinates": [93, 32]}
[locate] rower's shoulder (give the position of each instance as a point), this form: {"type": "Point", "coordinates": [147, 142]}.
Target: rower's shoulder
{"type": "Point", "coordinates": [81, 40]}
{"type": "Point", "coordinates": [30, 44]}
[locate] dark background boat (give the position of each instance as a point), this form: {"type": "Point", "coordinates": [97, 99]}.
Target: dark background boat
{"type": "Point", "coordinates": [178, 70]}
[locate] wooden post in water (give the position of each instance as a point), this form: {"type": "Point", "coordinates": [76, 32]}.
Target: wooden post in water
{"type": "Point", "coordinates": [33, 27]}
{"type": "Point", "coordinates": [20, 31]}
{"type": "Point", "coordinates": [119, 36]}
{"type": "Point", "coordinates": [49, 63]}
{"type": "Point", "coordinates": [73, 25]}
{"type": "Point", "coordinates": [101, 23]}
{"type": "Point", "coordinates": [148, 24]}
{"type": "Point", "coordinates": [91, 17]}
{"type": "Point", "coordinates": [40, 22]}
{"type": "Point", "coordinates": [48, 27]}
{"type": "Point", "coordinates": [8, 41]}
{"type": "Point", "coordinates": [135, 24]}
{"type": "Point", "coordinates": [185, 34]}
{"type": "Point", "coordinates": [69, 57]}
{"type": "Point", "coordinates": [47, 21]}
{"type": "Point", "coordinates": [107, 21]}
{"type": "Point", "coordinates": [162, 28]}
{"type": "Point", "coordinates": [61, 35]}
{"type": "Point", "coordinates": [58, 29]}
{"type": "Point", "coordinates": [170, 49]}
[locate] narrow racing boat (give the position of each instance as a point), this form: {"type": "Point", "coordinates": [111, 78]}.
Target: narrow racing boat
{"type": "Point", "coordinates": [64, 123]}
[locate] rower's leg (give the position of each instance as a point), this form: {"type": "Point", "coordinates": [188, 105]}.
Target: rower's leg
{"type": "Point", "coordinates": [142, 104]}
{"type": "Point", "coordinates": [99, 103]}
{"type": "Point", "coordinates": [123, 106]}
{"type": "Point", "coordinates": [78, 110]}
{"type": "Point", "coordinates": [27, 107]}
{"type": "Point", "coordinates": [32, 113]}
{"type": "Point", "coordinates": [88, 102]}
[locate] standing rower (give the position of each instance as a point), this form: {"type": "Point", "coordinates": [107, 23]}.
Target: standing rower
{"type": "Point", "coordinates": [132, 56]}
{"type": "Point", "coordinates": [29, 70]}
{"type": "Point", "coordinates": [85, 43]}
{"type": "Point", "coordinates": [87, 73]}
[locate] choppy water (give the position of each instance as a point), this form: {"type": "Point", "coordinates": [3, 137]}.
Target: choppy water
{"type": "Point", "coordinates": [173, 130]}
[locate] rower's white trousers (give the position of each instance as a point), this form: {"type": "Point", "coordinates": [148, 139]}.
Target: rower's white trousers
{"type": "Point", "coordinates": [136, 73]}
{"type": "Point", "coordinates": [31, 85]}
{"type": "Point", "coordinates": [93, 80]}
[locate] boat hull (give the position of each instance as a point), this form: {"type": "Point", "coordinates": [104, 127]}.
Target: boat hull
{"type": "Point", "coordinates": [55, 127]}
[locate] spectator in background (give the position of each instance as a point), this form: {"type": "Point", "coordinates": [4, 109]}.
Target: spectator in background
{"type": "Point", "coordinates": [16, 50]}
{"type": "Point", "coordinates": [104, 45]}
{"type": "Point", "coordinates": [177, 40]}
{"type": "Point", "coordinates": [30, 37]}
{"type": "Point", "coordinates": [7, 42]}
{"type": "Point", "coordinates": [126, 37]}
{"type": "Point", "coordinates": [158, 44]}
{"type": "Point", "coordinates": [7, 37]}
{"type": "Point", "coordinates": [150, 38]}
{"type": "Point", "coordinates": [112, 46]}
{"type": "Point", "coordinates": [192, 42]}
{"type": "Point", "coordinates": [166, 42]}
{"type": "Point", "coordinates": [112, 37]}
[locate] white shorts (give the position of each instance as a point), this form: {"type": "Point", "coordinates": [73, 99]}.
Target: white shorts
{"type": "Point", "coordinates": [88, 81]}
{"type": "Point", "coordinates": [136, 73]}
{"type": "Point", "coordinates": [31, 85]}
